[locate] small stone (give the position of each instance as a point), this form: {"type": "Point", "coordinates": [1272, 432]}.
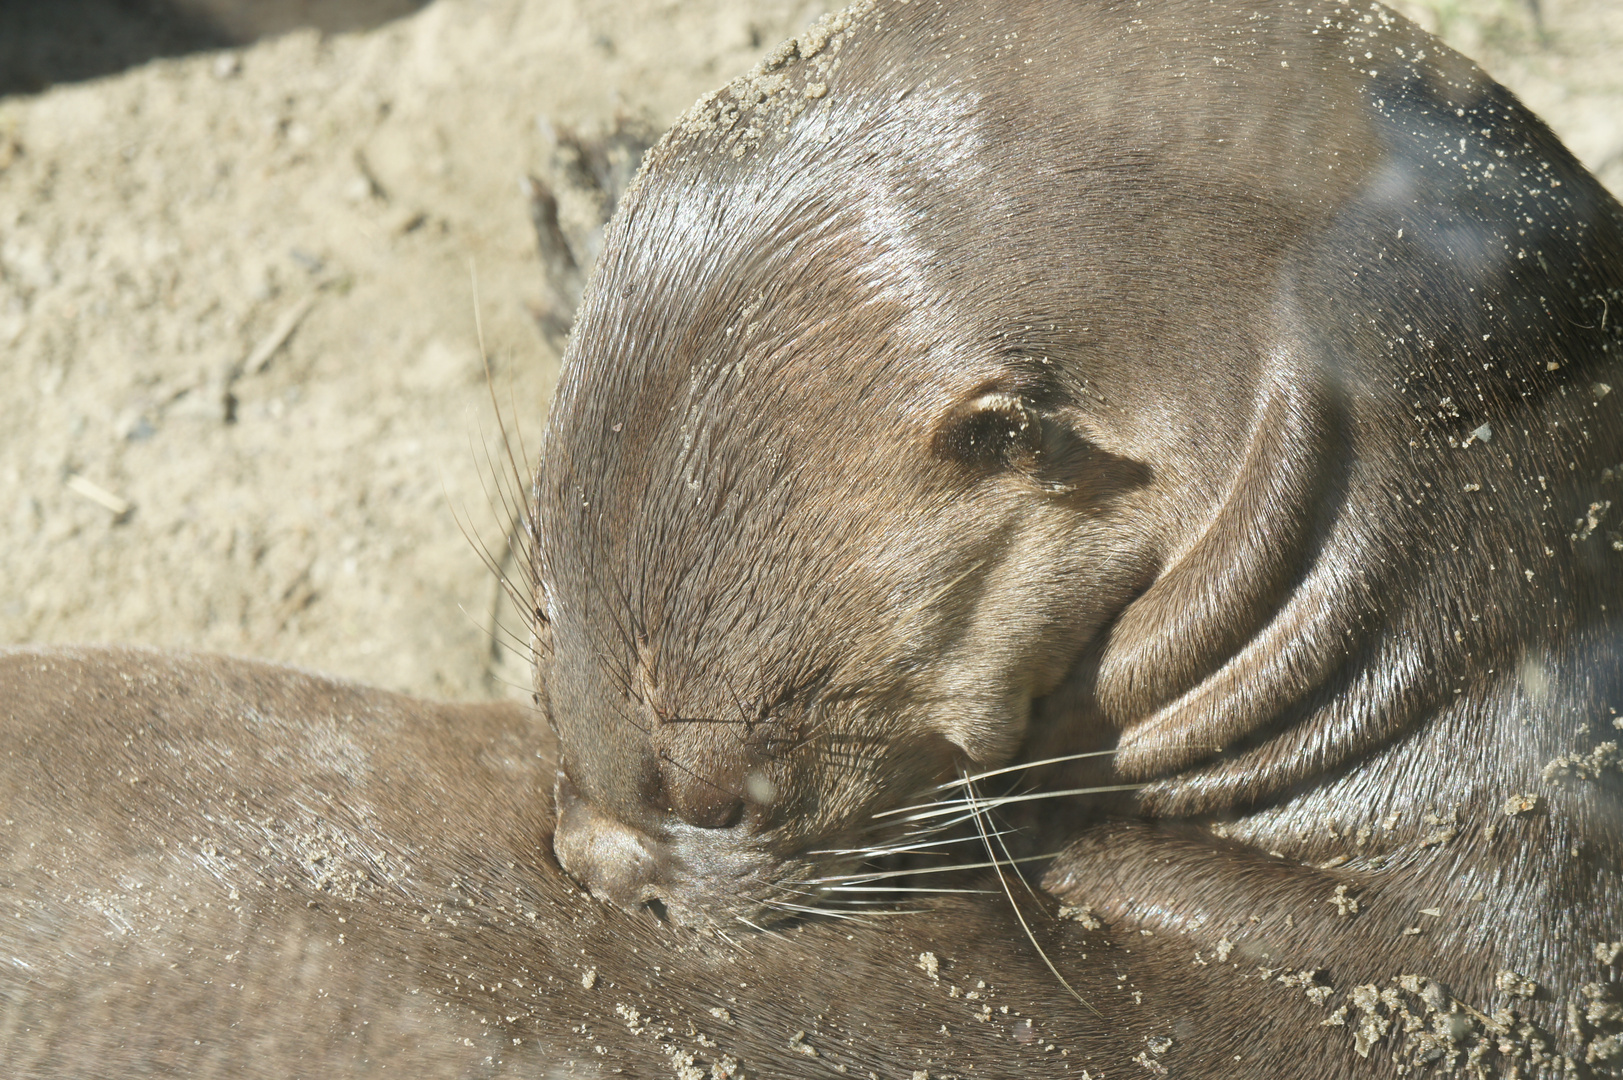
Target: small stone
{"type": "Point", "coordinates": [682, 1062]}
{"type": "Point", "coordinates": [1518, 985]}
{"type": "Point", "coordinates": [1609, 1048]}
{"type": "Point", "coordinates": [1521, 804]}
{"type": "Point", "coordinates": [1083, 915]}
{"type": "Point", "coordinates": [1444, 827]}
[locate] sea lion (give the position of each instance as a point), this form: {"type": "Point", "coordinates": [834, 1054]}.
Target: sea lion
{"type": "Point", "coordinates": [1221, 386]}
{"type": "Point", "coordinates": [212, 867]}
{"type": "Point", "coordinates": [1086, 428]}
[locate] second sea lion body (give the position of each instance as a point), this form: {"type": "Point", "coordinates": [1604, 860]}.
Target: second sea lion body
{"type": "Point", "coordinates": [212, 867]}
{"type": "Point", "coordinates": [218, 868]}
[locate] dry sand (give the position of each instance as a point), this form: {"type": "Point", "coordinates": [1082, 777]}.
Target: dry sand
{"type": "Point", "coordinates": [161, 226]}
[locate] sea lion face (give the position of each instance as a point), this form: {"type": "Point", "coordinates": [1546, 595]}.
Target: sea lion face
{"type": "Point", "coordinates": [912, 383]}
{"type": "Point", "coordinates": [834, 482]}
{"type": "Point", "coordinates": [822, 552]}
{"type": "Point", "coordinates": [824, 506]}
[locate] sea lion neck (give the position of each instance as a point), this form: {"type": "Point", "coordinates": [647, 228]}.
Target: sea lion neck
{"type": "Point", "coordinates": [1456, 523]}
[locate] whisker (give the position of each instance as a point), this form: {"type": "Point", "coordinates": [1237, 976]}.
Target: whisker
{"type": "Point", "coordinates": [872, 914]}
{"type": "Point", "coordinates": [897, 911]}
{"type": "Point", "coordinates": [860, 902]}
{"type": "Point", "coordinates": [1004, 800]}
{"type": "Point", "coordinates": [978, 777]}
{"type": "Point", "coordinates": [495, 636]}
{"type": "Point", "coordinates": [1014, 907]}
{"type": "Point", "coordinates": [896, 849]}
{"type": "Point", "coordinates": [930, 601]}
{"type": "Point", "coordinates": [1007, 854]}
{"type": "Point", "coordinates": [760, 929]}
{"type": "Point", "coordinates": [519, 642]}
{"type": "Point", "coordinates": [512, 497]}
{"type": "Point", "coordinates": [882, 875]}
{"type": "Point", "coordinates": [904, 888]}
{"type": "Point", "coordinates": [803, 909]}
{"type": "Point", "coordinates": [963, 814]}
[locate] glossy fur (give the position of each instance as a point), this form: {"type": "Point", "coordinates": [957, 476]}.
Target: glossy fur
{"type": "Point", "coordinates": [219, 868]}
{"type": "Point", "coordinates": [1227, 386]}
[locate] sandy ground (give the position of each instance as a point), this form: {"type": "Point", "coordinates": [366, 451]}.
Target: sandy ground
{"type": "Point", "coordinates": [242, 406]}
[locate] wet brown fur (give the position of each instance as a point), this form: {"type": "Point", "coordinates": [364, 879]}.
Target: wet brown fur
{"type": "Point", "coordinates": [219, 868]}
{"type": "Point", "coordinates": [1223, 384]}
{"type": "Point", "coordinates": [1123, 399]}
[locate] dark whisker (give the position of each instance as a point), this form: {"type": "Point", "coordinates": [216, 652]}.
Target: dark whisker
{"type": "Point", "coordinates": [664, 755]}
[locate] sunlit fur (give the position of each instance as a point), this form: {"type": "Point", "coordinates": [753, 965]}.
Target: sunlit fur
{"type": "Point", "coordinates": [1223, 385]}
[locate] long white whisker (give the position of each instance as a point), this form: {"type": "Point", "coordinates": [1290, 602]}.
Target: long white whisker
{"type": "Point", "coordinates": [859, 902]}
{"type": "Point", "coordinates": [969, 790]}
{"type": "Point", "coordinates": [964, 814]}
{"type": "Point", "coordinates": [915, 829]}
{"type": "Point", "coordinates": [902, 888]}
{"type": "Point", "coordinates": [1007, 854]}
{"type": "Point", "coordinates": [1004, 800]}
{"type": "Point", "coordinates": [882, 875]}
{"type": "Point", "coordinates": [760, 929]}
{"type": "Point", "coordinates": [803, 909]}
{"type": "Point", "coordinates": [895, 911]}
{"type": "Point", "coordinates": [978, 777]}
{"type": "Point", "coordinates": [881, 852]}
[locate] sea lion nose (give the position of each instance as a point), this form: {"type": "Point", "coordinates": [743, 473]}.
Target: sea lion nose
{"type": "Point", "coordinates": [613, 861]}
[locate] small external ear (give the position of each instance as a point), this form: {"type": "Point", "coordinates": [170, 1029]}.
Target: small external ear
{"type": "Point", "coordinates": [994, 430]}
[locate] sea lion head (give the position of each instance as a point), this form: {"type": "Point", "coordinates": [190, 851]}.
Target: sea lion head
{"type": "Point", "coordinates": [929, 372]}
